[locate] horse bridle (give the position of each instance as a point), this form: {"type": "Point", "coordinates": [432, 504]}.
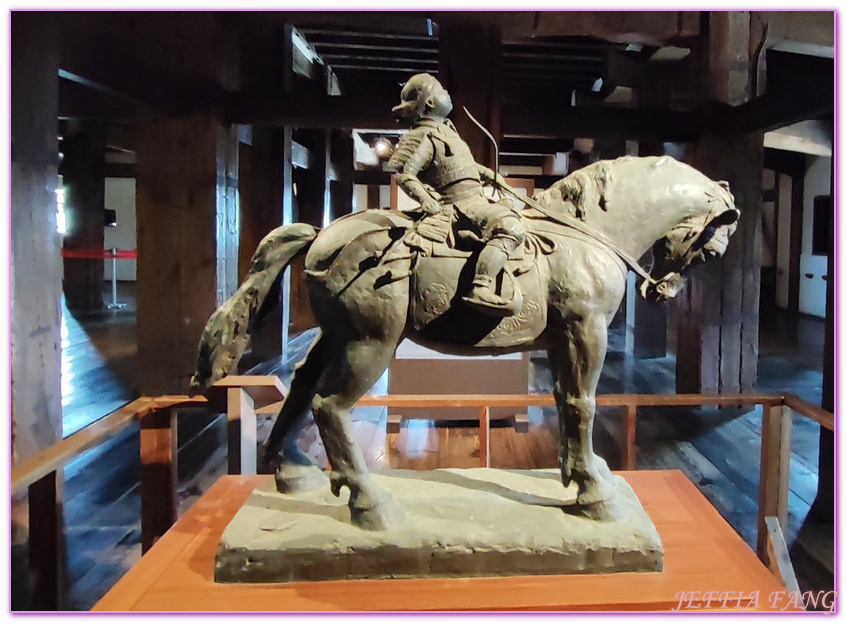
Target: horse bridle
{"type": "Point", "coordinates": [568, 221]}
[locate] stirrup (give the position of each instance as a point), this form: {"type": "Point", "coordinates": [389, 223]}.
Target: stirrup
{"type": "Point", "coordinates": [495, 305]}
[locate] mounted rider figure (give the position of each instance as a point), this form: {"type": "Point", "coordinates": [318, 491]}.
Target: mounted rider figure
{"type": "Point", "coordinates": [435, 167]}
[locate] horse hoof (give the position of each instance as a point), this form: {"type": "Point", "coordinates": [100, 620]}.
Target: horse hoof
{"type": "Point", "coordinates": [385, 514]}
{"type": "Point", "coordinates": [607, 510]}
{"type": "Point", "coordinates": [292, 478]}
{"type": "Point", "coordinates": [596, 491]}
{"type": "Point", "coordinates": [598, 501]}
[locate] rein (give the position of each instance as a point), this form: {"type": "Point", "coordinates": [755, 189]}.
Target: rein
{"type": "Point", "coordinates": [563, 219]}
{"type": "Point", "coordinates": [588, 231]}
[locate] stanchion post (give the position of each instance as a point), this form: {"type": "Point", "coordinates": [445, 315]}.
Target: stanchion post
{"type": "Point", "coordinates": [114, 277]}
{"type": "Point", "coordinates": [114, 304]}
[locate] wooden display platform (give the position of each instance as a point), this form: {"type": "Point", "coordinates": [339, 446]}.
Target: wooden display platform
{"type": "Point", "coordinates": [702, 554]}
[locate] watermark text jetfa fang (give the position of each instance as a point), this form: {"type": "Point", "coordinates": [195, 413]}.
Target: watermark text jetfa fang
{"type": "Point", "coordinates": [777, 600]}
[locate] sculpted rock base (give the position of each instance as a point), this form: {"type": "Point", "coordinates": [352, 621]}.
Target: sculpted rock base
{"type": "Point", "coordinates": [460, 522]}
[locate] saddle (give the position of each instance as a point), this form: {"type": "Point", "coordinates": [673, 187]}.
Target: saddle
{"type": "Point", "coordinates": [375, 242]}
{"type": "Point", "coordinates": [442, 272]}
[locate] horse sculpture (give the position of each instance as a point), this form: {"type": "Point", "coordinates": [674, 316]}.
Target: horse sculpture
{"type": "Point", "coordinates": [369, 290]}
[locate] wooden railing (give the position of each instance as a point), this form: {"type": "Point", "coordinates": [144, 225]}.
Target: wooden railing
{"type": "Point", "coordinates": [243, 397]}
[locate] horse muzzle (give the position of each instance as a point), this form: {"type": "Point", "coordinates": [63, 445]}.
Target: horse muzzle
{"type": "Point", "coordinates": [664, 289]}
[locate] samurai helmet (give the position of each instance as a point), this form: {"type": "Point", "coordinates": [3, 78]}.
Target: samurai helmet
{"type": "Point", "coordinates": [422, 96]}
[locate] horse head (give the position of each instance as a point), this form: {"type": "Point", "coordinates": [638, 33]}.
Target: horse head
{"type": "Point", "coordinates": [696, 240]}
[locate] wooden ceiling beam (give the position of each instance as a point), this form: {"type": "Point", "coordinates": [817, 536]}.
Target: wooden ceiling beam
{"type": "Point", "coordinates": [372, 177]}
{"type": "Point", "coordinates": [534, 145]}
{"type": "Point", "coordinates": [550, 119]}
{"type": "Point", "coordinates": [645, 27]}
{"type": "Point", "coordinates": [101, 64]}
{"type": "Point", "coordinates": [530, 160]}
{"type": "Point", "coordinates": [552, 70]}
{"type": "Point", "coordinates": [309, 110]}
{"type": "Point", "coordinates": [119, 169]}
{"type": "Point", "coordinates": [384, 24]}
{"type": "Point", "coordinates": [773, 110]}
{"type": "Point", "coordinates": [331, 59]}
{"type": "Point", "coordinates": [396, 69]}
{"type": "Point", "coordinates": [377, 47]}
{"type": "Point", "coordinates": [549, 58]}
{"type": "Point", "coordinates": [80, 102]}
{"type": "Point", "coordinates": [120, 137]}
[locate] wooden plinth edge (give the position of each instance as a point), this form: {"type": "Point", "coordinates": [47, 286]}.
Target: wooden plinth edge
{"type": "Point", "coordinates": [702, 555]}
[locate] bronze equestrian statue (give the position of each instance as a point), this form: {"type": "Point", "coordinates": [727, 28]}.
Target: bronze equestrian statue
{"type": "Point", "coordinates": [379, 276]}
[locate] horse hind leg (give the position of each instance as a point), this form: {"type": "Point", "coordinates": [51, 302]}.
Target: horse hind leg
{"type": "Point", "coordinates": [296, 471]}
{"type": "Point", "coordinates": [354, 369]}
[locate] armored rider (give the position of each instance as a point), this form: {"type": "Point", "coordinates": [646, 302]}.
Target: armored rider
{"type": "Point", "coordinates": [435, 167]}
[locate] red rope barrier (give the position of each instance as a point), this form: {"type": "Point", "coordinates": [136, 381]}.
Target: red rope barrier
{"type": "Point", "coordinates": [100, 254]}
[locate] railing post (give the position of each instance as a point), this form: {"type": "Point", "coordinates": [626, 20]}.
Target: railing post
{"type": "Point", "coordinates": [775, 470]}
{"type": "Point", "coordinates": [239, 395]}
{"type": "Point", "coordinates": [158, 474]}
{"type": "Point", "coordinates": [241, 436]}
{"type": "Point", "coordinates": [629, 448]}
{"type": "Point", "coordinates": [46, 543]}
{"type": "Point", "coordinates": [779, 557]}
{"type": "Point", "coordinates": [485, 436]}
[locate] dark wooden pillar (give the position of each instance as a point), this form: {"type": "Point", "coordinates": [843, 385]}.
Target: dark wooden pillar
{"type": "Point", "coordinates": [35, 292]}
{"type": "Point", "coordinates": [650, 321]}
{"type": "Point", "coordinates": [797, 205]}
{"type": "Point", "coordinates": [469, 68]}
{"type": "Point", "coordinates": [186, 211]}
{"type": "Point", "coordinates": [718, 313]}
{"type": "Point", "coordinates": [35, 286]}
{"type": "Point", "coordinates": [84, 181]}
{"type": "Point", "coordinates": [341, 193]}
{"type": "Point", "coordinates": [260, 183]}
{"type": "Point", "coordinates": [312, 206]}
{"type": "Point", "coordinates": [822, 510]}
{"type": "Point", "coordinates": [373, 197]}
{"type": "Point", "coordinates": [312, 196]}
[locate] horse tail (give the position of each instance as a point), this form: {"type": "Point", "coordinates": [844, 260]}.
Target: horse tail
{"type": "Point", "coordinates": [228, 329]}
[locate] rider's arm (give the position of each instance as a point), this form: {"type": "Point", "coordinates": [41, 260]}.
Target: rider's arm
{"type": "Point", "coordinates": [412, 186]}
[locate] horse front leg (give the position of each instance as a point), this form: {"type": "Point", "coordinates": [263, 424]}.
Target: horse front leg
{"type": "Point", "coordinates": [577, 360]}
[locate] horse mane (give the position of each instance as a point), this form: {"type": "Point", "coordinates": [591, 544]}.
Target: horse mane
{"type": "Point", "coordinates": [587, 188]}
{"type": "Point", "coordinates": [580, 191]}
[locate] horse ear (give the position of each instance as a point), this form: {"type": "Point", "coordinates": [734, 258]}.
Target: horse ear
{"type": "Point", "coordinates": [727, 217]}
{"type": "Point", "coordinates": [725, 186]}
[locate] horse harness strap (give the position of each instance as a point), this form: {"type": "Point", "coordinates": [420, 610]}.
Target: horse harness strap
{"type": "Point", "coordinates": [567, 221]}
